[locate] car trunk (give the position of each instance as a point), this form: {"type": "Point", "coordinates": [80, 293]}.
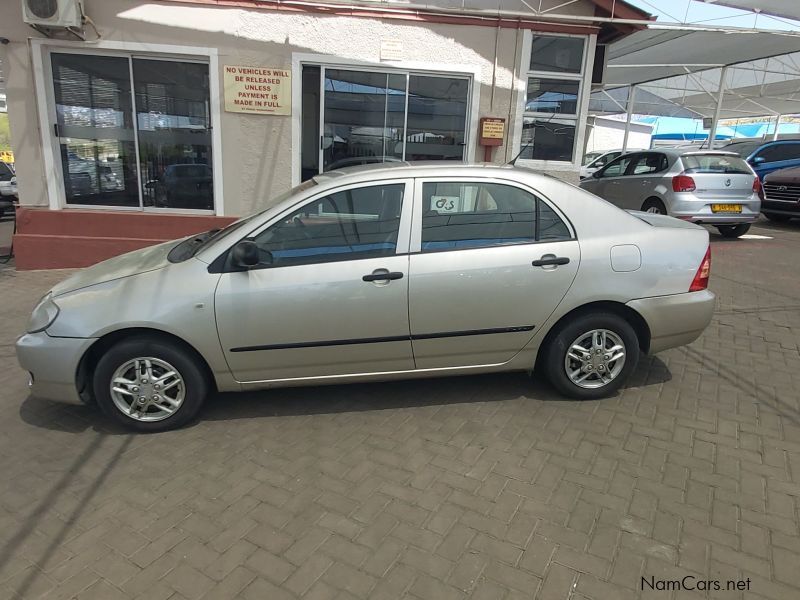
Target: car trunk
{"type": "Point", "coordinates": [719, 176]}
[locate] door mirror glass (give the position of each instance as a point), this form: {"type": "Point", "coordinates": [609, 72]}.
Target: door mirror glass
{"type": "Point", "coordinates": [597, 175]}
{"type": "Point", "coordinates": [245, 254]}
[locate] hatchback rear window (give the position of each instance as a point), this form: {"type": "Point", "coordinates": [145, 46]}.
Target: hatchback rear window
{"type": "Point", "coordinates": [714, 163]}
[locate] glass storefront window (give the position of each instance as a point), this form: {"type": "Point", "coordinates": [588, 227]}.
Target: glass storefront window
{"type": "Point", "coordinates": [95, 129]}
{"type": "Point", "coordinates": [379, 116]}
{"type": "Point", "coordinates": [552, 103]}
{"type": "Point", "coordinates": [103, 161]}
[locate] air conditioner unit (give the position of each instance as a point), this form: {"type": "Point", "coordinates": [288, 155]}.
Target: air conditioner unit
{"type": "Point", "coordinates": [52, 13]}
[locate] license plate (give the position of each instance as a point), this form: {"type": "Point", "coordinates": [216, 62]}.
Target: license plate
{"type": "Point", "coordinates": [726, 208]}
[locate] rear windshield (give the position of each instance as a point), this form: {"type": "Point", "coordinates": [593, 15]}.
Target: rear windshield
{"type": "Point", "coordinates": [714, 163]}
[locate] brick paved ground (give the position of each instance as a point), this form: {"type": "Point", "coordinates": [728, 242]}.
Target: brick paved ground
{"type": "Point", "coordinates": [482, 487]}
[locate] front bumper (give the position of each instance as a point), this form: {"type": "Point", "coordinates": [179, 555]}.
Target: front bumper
{"type": "Point", "coordinates": [675, 320]}
{"type": "Point", "coordinates": [780, 207]}
{"type": "Point", "coordinates": [52, 363]}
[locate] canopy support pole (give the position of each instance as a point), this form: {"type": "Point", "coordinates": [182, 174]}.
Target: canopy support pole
{"type": "Point", "coordinates": [628, 115]}
{"type": "Point", "coordinates": [713, 133]}
{"type": "Point", "coordinates": [777, 124]}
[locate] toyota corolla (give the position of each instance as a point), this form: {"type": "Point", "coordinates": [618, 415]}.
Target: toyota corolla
{"type": "Point", "coordinates": [376, 273]}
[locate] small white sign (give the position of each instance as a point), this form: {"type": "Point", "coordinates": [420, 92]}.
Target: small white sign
{"type": "Point", "coordinates": [446, 204]}
{"type": "Point", "coordinates": [391, 50]}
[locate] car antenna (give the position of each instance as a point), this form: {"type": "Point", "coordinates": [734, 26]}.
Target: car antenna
{"type": "Point", "coordinates": [513, 161]}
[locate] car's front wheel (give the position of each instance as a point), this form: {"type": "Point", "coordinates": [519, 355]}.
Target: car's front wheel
{"type": "Point", "coordinates": [149, 384]}
{"type": "Point", "coordinates": [733, 231]}
{"type": "Point", "coordinates": [591, 356]}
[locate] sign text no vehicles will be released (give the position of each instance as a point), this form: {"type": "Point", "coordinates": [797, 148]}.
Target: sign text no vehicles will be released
{"type": "Point", "coordinates": [258, 90]}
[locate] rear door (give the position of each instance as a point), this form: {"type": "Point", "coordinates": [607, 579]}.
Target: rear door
{"type": "Point", "coordinates": [490, 262]}
{"type": "Point", "coordinates": [721, 177]}
{"type": "Point", "coordinates": [641, 179]}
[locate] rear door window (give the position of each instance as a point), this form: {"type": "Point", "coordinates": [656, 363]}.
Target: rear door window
{"type": "Point", "coordinates": [649, 162]}
{"type": "Point", "coordinates": [714, 163]}
{"type": "Point", "coordinates": [461, 215]}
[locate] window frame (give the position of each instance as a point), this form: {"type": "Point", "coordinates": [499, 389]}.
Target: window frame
{"type": "Point", "coordinates": [45, 93]}
{"type": "Point", "coordinates": [579, 118]}
{"type": "Point", "coordinates": [415, 243]}
{"type": "Point", "coordinates": [402, 233]}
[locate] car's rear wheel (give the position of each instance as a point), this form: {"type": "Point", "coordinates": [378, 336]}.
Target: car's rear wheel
{"type": "Point", "coordinates": [733, 231]}
{"type": "Point", "coordinates": [654, 205]}
{"type": "Point", "coordinates": [591, 356]}
{"type": "Point", "coordinates": [777, 218]}
{"type": "Point", "coordinates": [149, 384]}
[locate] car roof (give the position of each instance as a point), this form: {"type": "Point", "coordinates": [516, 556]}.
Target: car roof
{"type": "Point", "coordinates": [403, 169]}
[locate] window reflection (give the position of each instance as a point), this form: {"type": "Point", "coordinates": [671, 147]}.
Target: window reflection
{"type": "Point", "coordinates": [174, 133]}
{"type": "Point", "coordinates": [437, 113]}
{"type": "Point", "coordinates": [95, 129]}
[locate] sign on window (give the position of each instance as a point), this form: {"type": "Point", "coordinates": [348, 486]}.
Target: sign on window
{"type": "Point", "coordinates": [258, 90]}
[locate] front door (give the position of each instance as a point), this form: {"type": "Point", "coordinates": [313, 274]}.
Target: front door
{"type": "Point", "coordinates": [610, 183]}
{"type": "Point", "coordinates": [490, 262]}
{"type": "Point", "coordinates": [331, 294]}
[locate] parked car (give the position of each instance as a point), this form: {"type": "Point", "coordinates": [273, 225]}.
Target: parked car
{"type": "Point", "coordinates": [782, 195]}
{"type": "Point", "coordinates": [8, 188]}
{"type": "Point", "coordinates": [601, 160]}
{"type": "Point", "coordinates": [766, 157]}
{"type": "Point", "coordinates": [184, 186]}
{"type": "Point", "coordinates": [375, 273]}
{"type": "Point", "coordinates": [711, 187]}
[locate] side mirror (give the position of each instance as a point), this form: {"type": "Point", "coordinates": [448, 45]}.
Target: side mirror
{"type": "Point", "coordinates": [245, 254]}
{"type": "Point", "coordinates": [596, 175]}
{"type": "Point", "coordinates": [757, 160]}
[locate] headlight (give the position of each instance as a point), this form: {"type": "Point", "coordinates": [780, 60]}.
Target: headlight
{"type": "Point", "coordinates": [43, 314]}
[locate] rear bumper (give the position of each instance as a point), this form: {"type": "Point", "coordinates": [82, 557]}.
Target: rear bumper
{"type": "Point", "coordinates": [692, 208]}
{"type": "Point", "coordinates": [675, 320]}
{"type": "Point", "coordinates": [53, 364]}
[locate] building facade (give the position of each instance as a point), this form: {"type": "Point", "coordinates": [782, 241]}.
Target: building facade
{"type": "Point", "coordinates": [177, 116]}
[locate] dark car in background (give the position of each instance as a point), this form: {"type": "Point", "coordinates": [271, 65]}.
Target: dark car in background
{"type": "Point", "coordinates": [766, 157]}
{"type": "Point", "coordinates": [782, 195]}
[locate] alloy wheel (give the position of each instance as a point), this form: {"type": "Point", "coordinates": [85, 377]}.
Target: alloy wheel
{"type": "Point", "coordinates": [147, 389]}
{"type": "Point", "coordinates": [595, 358]}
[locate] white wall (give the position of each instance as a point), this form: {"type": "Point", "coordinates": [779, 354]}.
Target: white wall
{"type": "Point", "coordinates": [608, 134]}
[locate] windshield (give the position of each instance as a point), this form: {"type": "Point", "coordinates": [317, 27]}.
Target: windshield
{"type": "Point", "coordinates": [191, 246]}
{"type": "Point", "coordinates": [714, 163]}
{"type": "Point", "coordinates": [743, 149]}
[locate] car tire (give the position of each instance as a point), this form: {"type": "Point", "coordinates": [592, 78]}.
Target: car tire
{"type": "Point", "coordinates": [654, 205]}
{"type": "Point", "coordinates": [777, 218]}
{"type": "Point", "coordinates": [733, 231]}
{"type": "Point", "coordinates": [166, 405]}
{"type": "Point", "coordinates": [559, 351]}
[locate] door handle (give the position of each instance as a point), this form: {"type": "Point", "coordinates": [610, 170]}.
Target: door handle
{"type": "Point", "coordinates": [551, 260]}
{"type": "Point", "coordinates": [383, 275]}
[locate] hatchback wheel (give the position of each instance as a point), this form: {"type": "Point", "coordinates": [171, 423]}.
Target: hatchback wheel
{"type": "Point", "coordinates": [591, 356]}
{"type": "Point", "coordinates": [149, 384]}
{"type": "Point", "coordinates": [733, 231]}
{"type": "Point", "coordinates": [654, 205]}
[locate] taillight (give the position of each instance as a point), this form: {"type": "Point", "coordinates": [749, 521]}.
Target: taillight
{"type": "Point", "coordinates": [683, 183]}
{"type": "Point", "coordinates": [758, 188]}
{"type": "Point", "coordinates": [700, 281]}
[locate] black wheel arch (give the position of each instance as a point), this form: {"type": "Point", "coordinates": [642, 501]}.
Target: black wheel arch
{"type": "Point", "coordinates": [88, 362]}
{"type": "Point", "coordinates": [633, 318]}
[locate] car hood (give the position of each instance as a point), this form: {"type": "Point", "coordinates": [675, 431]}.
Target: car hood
{"type": "Point", "coordinates": [790, 175]}
{"type": "Point", "coordinates": [125, 265]}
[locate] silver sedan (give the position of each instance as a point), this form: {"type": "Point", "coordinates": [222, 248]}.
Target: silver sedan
{"type": "Point", "coordinates": [376, 273]}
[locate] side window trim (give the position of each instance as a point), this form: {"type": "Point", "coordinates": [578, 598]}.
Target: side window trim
{"type": "Point", "coordinates": [415, 246]}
